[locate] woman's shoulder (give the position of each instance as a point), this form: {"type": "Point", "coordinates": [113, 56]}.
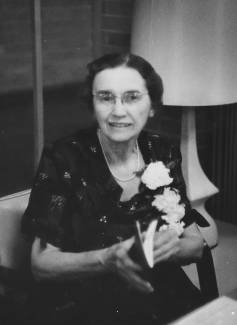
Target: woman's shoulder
{"type": "Point", "coordinates": [160, 139]}
{"type": "Point", "coordinates": [72, 152]}
{"type": "Point", "coordinates": [78, 141]}
{"type": "Point", "coordinates": [164, 146]}
{"type": "Point", "coordinates": [82, 136]}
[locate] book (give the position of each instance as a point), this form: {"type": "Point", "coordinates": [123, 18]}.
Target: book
{"type": "Point", "coordinates": [142, 250]}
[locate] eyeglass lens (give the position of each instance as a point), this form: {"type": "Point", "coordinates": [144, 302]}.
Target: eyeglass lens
{"type": "Point", "coordinates": [127, 97]}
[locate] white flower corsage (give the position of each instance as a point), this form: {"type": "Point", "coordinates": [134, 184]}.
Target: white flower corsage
{"type": "Point", "coordinates": [156, 175]}
{"type": "Point", "coordinates": [168, 203]}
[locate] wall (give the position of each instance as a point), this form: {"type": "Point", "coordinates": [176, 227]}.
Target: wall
{"type": "Point", "coordinates": [67, 47]}
{"type": "Point", "coordinates": [15, 45]}
{"type": "Point", "coordinates": [116, 25]}
{"type": "Point", "coordinates": [66, 42]}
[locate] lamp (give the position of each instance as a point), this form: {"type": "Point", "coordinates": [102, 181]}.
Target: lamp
{"type": "Point", "coordinates": [193, 46]}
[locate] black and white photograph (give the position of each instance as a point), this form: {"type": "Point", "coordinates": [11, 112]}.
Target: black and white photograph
{"type": "Point", "coordinates": [118, 162]}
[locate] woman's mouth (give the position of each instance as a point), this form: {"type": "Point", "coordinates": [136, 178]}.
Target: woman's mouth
{"type": "Point", "coordinates": [119, 124]}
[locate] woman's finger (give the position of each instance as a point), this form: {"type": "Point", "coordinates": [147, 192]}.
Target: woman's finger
{"type": "Point", "coordinates": [166, 252]}
{"type": "Point", "coordinates": [123, 257]}
{"type": "Point", "coordinates": [137, 282]}
{"type": "Point", "coordinates": [165, 237]}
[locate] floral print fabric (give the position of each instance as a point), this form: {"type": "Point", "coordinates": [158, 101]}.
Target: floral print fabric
{"type": "Point", "coordinates": [75, 205]}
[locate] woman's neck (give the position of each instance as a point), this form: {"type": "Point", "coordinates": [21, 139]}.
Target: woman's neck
{"type": "Point", "coordinates": [118, 152]}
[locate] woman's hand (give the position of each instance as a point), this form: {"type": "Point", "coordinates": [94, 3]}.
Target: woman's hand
{"type": "Point", "coordinates": [117, 260]}
{"type": "Point", "coordinates": [168, 247]}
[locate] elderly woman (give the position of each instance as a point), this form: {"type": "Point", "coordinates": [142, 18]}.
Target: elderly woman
{"type": "Point", "coordinates": [90, 189]}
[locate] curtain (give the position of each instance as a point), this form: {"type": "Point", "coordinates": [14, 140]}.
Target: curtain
{"type": "Point", "coordinates": [224, 163]}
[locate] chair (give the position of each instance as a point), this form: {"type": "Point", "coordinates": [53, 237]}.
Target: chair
{"type": "Point", "coordinates": [202, 273]}
{"type": "Point", "coordinates": [15, 275]}
{"type": "Point", "coordinates": [14, 251]}
{"type": "Point", "coordinates": [223, 256]}
{"type": "Point", "coordinates": [207, 275]}
{"type": "Point", "coordinates": [13, 248]}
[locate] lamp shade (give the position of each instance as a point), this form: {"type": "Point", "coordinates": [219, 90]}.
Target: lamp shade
{"type": "Point", "coordinates": [193, 46]}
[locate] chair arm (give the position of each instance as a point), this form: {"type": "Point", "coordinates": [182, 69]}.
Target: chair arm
{"type": "Point", "coordinates": [207, 275]}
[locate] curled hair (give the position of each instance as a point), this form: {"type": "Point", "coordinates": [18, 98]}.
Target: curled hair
{"type": "Point", "coordinates": [152, 80]}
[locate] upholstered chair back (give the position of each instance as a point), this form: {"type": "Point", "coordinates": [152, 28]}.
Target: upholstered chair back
{"type": "Point", "coordinates": [13, 248]}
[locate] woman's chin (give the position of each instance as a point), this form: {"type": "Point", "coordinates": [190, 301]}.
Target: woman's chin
{"type": "Point", "coordinates": [121, 135]}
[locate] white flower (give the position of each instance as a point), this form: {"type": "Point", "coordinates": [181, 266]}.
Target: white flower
{"type": "Point", "coordinates": [156, 175]}
{"type": "Point", "coordinates": [163, 228]}
{"type": "Point", "coordinates": [178, 227]}
{"type": "Point", "coordinates": [174, 214]}
{"type": "Point", "coordinates": [170, 218]}
{"type": "Point", "coordinates": [168, 201]}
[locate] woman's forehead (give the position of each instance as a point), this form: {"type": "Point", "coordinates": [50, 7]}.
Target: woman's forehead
{"type": "Point", "coordinates": [119, 79]}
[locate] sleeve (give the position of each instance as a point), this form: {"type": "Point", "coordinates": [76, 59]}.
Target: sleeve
{"type": "Point", "coordinates": [48, 211]}
{"type": "Point", "coordinates": [174, 163]}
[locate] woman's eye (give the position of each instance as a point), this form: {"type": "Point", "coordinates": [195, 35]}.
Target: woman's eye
{"type": "Point", "coordinates": [132, 97]}
{"type": "Point", "coordinates": [107, 98]}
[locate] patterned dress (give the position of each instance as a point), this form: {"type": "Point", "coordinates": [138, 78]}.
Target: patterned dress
{"type": "Point", "coordinates": [75, 205]}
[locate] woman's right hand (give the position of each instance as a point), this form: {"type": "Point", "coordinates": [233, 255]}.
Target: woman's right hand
{"type": "Point", "coordinates": [116, 259]}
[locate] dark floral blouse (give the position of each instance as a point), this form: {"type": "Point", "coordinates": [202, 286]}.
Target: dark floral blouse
{"type": "Point", "coordinates": [75, 205]}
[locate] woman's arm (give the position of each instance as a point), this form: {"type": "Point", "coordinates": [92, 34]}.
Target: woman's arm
{"type": "Point", "coordinates": [183, 250]}
{"type": "Point", "coordinates": [49, 263]}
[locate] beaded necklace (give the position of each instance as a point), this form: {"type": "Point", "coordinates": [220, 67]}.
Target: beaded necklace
{"type": "Point", "coordinates": [128, 179]}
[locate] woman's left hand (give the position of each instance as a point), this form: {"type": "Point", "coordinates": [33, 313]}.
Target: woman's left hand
{"type": "Point", "coordinates": [166, 246]}
{"type": "Point", "coordinates": [169, 247]}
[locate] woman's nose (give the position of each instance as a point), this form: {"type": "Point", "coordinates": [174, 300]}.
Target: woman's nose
{"type": "Point", "coordinates": [118, 108]}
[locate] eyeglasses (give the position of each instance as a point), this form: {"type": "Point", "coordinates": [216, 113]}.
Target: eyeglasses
{"type": "Point", "coordinates": [129, 97]}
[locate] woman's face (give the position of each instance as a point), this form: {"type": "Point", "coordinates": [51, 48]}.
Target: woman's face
{"type": "Point", "coordinates": [121, 103]}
